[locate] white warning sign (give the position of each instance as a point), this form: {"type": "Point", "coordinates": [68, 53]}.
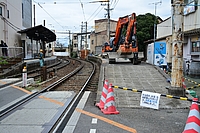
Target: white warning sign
{"type": "Point", "coordinates": [149, 99]}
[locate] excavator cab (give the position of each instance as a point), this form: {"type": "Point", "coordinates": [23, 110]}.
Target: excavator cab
{"type": "Point", "coordinates": [124, 44]}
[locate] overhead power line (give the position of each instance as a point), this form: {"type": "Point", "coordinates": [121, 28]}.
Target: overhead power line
{"type": "Point", "coordinates": [92, 17]}
{"type": "Point", "coordinates": [82, 9]}
{"type": "Point", "coordinates": [48, 14]}
{"type": "Point", "coordinates": [115, 4]}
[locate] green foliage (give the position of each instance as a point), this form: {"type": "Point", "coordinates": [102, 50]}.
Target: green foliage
{"type": "Point", "coordinates": [145, 31]}
{"type": "Point", "coordinates": [3, 61]}
{"type": "Point", "coordinates": [74, 54]}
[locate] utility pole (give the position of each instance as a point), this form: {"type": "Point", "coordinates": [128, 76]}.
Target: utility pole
{"type": "Point", "coordinates": [70, 49]}
{"type": "Point", "coordinates": [177, 53]}
{"type": "Point", "coordinates": [34, 15]}
{"type": "Point", "coordinates": [108, 17]}
{"type": "Point", "coordinates": [81, 35]}
{"type": "Point", "coordinates": [85, 38]}
{"type": "Point", "coordinates": [108, 10]}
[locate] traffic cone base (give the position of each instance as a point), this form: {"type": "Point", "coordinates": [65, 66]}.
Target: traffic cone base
{"type": "Point", "coordinates": [110, 110]}
{"type": "Point", "coordinates": [100, 105]}
{"type": "Point", "coordinates": [109, 107]}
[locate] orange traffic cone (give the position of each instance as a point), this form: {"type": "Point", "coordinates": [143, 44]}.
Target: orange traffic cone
{"type": "Point", "coordinates": [103, 95]}
{"type": "Point", "coordinates": [109, 107]}
{"type": "Point", "coordinates": [193, 121]}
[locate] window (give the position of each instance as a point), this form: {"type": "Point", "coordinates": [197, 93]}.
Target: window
{"type": "Point", "coordinates": [75, 45]}
{"type": "Point", "coordinates": [8, 15]}
{"type": "Point", "coordinates": [196, 46]}
{"type": "Point", "coordinates": [22, 10]}
{"type": "Point", "coordinates": [92, 42]}
{"type": "Point", "coordinates": [1, 11]}
{"type": "Point", "coordinates": [75, 37]}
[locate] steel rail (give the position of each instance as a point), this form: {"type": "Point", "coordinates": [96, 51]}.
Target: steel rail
{"type": "Point", "coordinates": [64, 118]}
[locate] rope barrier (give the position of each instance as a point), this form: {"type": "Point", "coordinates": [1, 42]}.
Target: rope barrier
{"type": "Point", "coordinates": [164, 95]}
{"type": "Point", "coordinates": [194, 82]}
{"type": "Point", "coordinates": [189, 80]}
{"type": "Point", "coordinates": [196, 86]}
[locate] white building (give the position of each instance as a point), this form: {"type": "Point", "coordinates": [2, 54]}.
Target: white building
{"type": "Point", "coordinates": [191, 45]}
{"type": "Point", "coordinates": [15, 15]}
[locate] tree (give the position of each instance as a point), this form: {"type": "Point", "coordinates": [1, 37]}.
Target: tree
{"type": "Point", "coordinates": [145, 29]}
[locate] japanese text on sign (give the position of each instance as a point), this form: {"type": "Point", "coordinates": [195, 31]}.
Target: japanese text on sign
{"type": "Point", "coordinates": [149, 99]}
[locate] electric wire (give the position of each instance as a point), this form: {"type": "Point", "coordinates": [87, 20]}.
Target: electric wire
{"type": "Point", "coordinates": [49, 14]}
{"type": "Point", "coordinates": [115, 4]}
{"type": "Point", "coordinates": [91, 17]}
{"type": "Point", "coordinates": [82, 10]}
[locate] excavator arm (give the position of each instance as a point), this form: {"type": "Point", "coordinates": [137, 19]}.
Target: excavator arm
{"type": "Point", "coordinates": [120, 33]}
{"type": "Point", "coordinates": [126, 32]}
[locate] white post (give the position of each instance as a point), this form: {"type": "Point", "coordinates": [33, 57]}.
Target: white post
{"type": "Point", "coordinates": [24, 77]}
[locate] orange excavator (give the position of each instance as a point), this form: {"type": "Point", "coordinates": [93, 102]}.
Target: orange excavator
{"type": "Point", "coordinates": [124, 44]}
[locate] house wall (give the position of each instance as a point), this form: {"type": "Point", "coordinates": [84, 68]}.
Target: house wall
{"type": "Point", "coordinates": [12, 21]}
{"type": "Point", "coordinates": [165, 28]}
{"type": "Point", "coordinates": [191, 23]}
{"type": "Point", "coordinates": [99, 36]}
{"type": "Point", "coordinates": [27, 13]}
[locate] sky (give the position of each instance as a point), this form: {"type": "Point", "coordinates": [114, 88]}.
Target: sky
{"type": "Point", "coordinates": [65, 15]}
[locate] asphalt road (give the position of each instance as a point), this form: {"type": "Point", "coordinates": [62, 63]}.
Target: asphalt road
{"type": "Point", "coordinates": [130, 119]}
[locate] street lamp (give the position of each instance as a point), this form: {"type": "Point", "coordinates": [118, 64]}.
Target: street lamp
{"type": "Point", "coordinates": [154, 34]}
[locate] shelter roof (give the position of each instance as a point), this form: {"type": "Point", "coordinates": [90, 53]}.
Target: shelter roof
{"type": "Point", "coordinates": [39, 33]}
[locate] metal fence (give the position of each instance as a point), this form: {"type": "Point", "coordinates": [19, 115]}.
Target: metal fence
{"type": "Point", "coordinates": [15, 52]}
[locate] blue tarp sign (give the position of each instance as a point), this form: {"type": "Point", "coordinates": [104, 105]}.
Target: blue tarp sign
{"type": "Point", "coordinates": [150, 100]}
{"type": "Point", "coordinates": [160, 53]}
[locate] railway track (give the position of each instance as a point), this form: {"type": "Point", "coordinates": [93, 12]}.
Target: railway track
{"type": "Point", "coordinates": [78, 76]}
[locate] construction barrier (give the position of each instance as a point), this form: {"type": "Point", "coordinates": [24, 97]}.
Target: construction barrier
{"type": "Point", "coordinates": [189, 80]}
{"type": "Point", "coordinates": [193, 121]}
{"type": "Point", "coordinates": [194, 82]}
{"type": "Point", "coordinates": [164, 95]}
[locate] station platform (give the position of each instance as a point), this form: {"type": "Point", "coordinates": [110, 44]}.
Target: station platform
{"type": "Point", "coordinates": [38, 115]}
{"type": "Point", "coordinates": [9, 93]}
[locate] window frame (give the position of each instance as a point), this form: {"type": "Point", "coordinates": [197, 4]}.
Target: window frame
{"type": "Point", "coordinates": [8, 14]}
{"type": "Point", "coordinates": [195, 46]}
{"type": "Point", "coordinates": [1, 11]}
